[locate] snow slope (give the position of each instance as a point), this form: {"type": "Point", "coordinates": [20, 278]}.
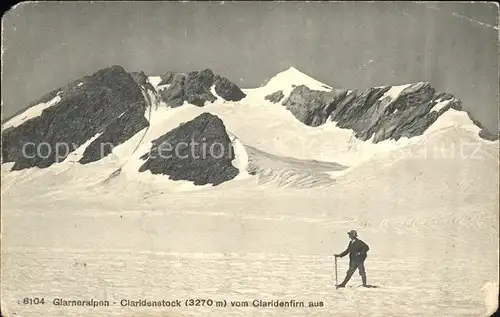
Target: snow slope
{"type": "Point", "coordinates": [394, 92]}
{"type": "Point", "coordinates": [427, 206]}
{"type": "Point", "coordinates": [30, 113]}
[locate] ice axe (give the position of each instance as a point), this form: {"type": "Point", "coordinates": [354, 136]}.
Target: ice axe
{"type": "Point", "coordinates": [336, 278]}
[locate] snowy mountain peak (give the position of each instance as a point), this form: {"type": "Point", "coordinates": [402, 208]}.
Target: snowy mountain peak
{"type": "Point", "coordinates": [292, 69]}
{"type": "Point", "coordinates": [291, 77]}
{"type": "Point", "coordinates": [294, 72]}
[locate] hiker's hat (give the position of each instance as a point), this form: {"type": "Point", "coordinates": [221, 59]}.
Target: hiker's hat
{"type": "Point", "coordinates": [353, 233]}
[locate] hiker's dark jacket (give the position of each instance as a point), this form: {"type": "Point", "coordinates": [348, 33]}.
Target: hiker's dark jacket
{"type": "Point", "coordinates": [357, 250]}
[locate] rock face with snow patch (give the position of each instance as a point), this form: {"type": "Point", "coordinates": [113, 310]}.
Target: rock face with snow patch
{"type": "Point", "coordinates": [275, 96]}
{"type": "Point", "coordinates": [313, 107]}
{"type": "Point", "coordinates": [227, 90]}
{"type": "Point", "coordinates": [108, 103]}
{"type": "Point", "coordinates": [373, 112]}
{"type": "Point", "coordinates": [199, 151]}
{"type": "Point", "coordinates": [195, 88]}
{"type": "Point", "coordinates": [142, 80]}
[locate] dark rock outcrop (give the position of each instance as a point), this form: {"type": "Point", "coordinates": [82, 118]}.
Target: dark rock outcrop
{"type": "Point", "coordinates": [369, 114]}
{"type": "Point", "coordinates": [167, 78]}
{"type": "Point", "coordinates": [147, 88]}
{"type": "Point", "coordinates": [409, 115]}
{"type": "Point", "coordinates": [227, 90]}
{"type": "Point", "coordinates": [174, 94]}
{"type": "Point", "coordinates": [275, 97]}
{"type": "Point", "coordinates": [195, 88]}
{"type": "Point", "coordinates": [109, 103]}
{"type": "Point", "coordinates": [487, 135]}
{"type": "Point", "coordinates": [312, 107]}
{"type": "Point", "coordinates": [199, 151]}
{"type": "Point", "coordinates": [484, 132]}
{"type": "Point", "coordinates": [139, 77]}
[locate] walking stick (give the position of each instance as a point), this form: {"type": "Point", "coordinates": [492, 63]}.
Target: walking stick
{"type": "Point", "coordinates": [336, 281]}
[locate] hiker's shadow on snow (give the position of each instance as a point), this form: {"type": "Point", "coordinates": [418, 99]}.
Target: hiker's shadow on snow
{"type": "Point", "coordinates": [372, 286]}
{"type": "Point", "coordinates": [359, 286]}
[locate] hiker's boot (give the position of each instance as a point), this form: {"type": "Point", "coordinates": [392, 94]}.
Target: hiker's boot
{"type": "Point", "coordinates": [363, 278]}
{"type": "Point", "coordinates": [341, 285]}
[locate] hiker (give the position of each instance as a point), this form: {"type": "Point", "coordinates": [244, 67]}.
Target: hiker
{"type": "Point", "coordinates": [357, 254]}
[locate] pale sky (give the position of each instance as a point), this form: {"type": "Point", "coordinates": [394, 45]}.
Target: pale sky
{"type": "Point", "coordinates": [346, 45]}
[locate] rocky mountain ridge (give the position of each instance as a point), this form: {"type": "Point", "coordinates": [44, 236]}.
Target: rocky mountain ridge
{"type": "Point", "coordinates": [380, 113]}
{"type": "Point", "coordinates": [111, 106]}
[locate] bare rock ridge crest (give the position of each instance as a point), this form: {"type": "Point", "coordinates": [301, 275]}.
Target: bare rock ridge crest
{"type": "Point", "coordinates": [369, 115]}
{"type": "Point", "coordinates": [109, 106]}
{"type": "Point", "coordinates": [195, 88]}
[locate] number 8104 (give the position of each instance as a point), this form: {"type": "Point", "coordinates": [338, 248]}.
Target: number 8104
{"type": "Point", "coordinates": [33, 301]}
